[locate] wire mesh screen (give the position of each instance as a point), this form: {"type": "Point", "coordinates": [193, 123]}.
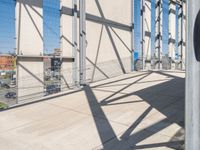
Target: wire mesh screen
{"type": "Point", "coordinates": [51, 28]}
{"type": "Point", "coordinates": [8, 95]}
{"type": "Point", "coordinates": [107, 69]}
{"type": "Point", "coordinates": [67, 79]}
{"type": "Point", "coordinates": [29, 88]}
{"type": "Point", "coordinates": [166, 62]}
{"type": "Point", "coordinates": [7, 26]}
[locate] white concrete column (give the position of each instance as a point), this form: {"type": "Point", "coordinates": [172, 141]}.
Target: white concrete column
{"type": "Point", "coordinates": [172, 31]}
{"type": "Point", "coordinates": [147, 33]}
{"type": "Point", "coordinates": [192, 103]}
{"type": "Point", "coordinates": [67, 43]}
{"type": "Point", "coordinates": [29, 43]}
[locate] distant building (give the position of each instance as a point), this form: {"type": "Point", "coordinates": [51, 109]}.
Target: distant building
{"type": "Point", "coordinates": [52, 63]}
{"type": "Point", "coordinates": [7, 63]}
{"type": "Point", "coordinates": [57, 52]}
{"type": "Point", "coordinates": [47, 63]}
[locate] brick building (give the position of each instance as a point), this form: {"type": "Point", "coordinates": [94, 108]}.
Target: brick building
{"type": "Point", "coordinates": [7, 63]}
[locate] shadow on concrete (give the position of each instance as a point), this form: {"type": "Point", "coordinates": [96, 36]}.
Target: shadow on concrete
{"type": "Point", "coordinates": [34, 23]}
{"type": "Point", "coordinates": [167, 98]}
{"type": "Point", "coordinates": [90, 61]}
{"type": "Point", "coordinates": [30, 73]}
{"type": "Point", "coordinates": [111, 38]}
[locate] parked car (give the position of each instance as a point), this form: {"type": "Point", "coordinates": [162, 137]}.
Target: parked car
{"type": "Point", "coordinates": [4, 85]}
{"type": "Point", "coordinates": [11, 95]}
{"type": "Point", "coordinates": [51, 89]}
{"type": "Point", "coordinates": [12, 84]}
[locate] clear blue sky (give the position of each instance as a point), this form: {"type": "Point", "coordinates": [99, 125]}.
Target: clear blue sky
{"type": "Point", "coordinates": [7, 30]}
{"type": "Point", "coordinates": [51, 14]}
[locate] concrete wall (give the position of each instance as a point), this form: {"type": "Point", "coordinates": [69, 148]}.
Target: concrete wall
{"type": "Point", "coordinates": [108, 38]}
{"type": "Point", "coordinates": [29, 41]}
{"type": "Point", "coordinates": [108, 47]}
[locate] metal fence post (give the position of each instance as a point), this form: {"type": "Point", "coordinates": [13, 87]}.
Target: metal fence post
{"type": "Point", "coordinates": [74, 38]}
{"type": "Point", "coordinates": [132, 36]}
{"type": "Point", "coordinates": [82, 42]}
{"type": "Point", "coordinates": [158, 31]}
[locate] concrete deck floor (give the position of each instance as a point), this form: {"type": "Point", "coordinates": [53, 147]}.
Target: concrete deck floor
{"type": "Point", "coordinates": [143, 110]}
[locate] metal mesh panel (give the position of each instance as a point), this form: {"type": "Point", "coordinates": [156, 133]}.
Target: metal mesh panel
{"type": "Point", "coordinates": [67, 79]}
{"type": "Point", "coordinates": [138, 64]}
{"type": "Point", "coordinates": [166, 63]}
{"type": "Point", "coordinates": [29, 88]}
{"type": "Point", "coordinates": [107, 70]}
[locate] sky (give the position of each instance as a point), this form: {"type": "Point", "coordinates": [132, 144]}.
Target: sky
{"type": "Point", "coordinates": [51, 22]}
{"type": "Point", "coordinates": [7, 30]}
{"type": "Point", "coordinates": [51, 15]}
{"type": "Point", "coordinates": [138, 29]}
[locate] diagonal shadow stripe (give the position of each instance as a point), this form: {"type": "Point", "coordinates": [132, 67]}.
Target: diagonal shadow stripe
{"type": "Point", "coordinates": [98, 49]}
{"type": "Point", "coordinates": [38, 31]}
{"type": "Point", "coordinates": [100, 85]}
{"type": "Point", "coordinates": [106, 101]}
{"type": "Point", "coordinates": [86, 58]}
{"type": "Point", "coordinates": [163, 144]}
{"type": "Point", "coordinates": [102, 123]}
{"type": "Point", "coordinates": [96, 19]}
{"type": "Point", "coordinates": [120, 39]}
{"type": "Point", "coordinates": [136, 123]}
{"type": "Point", "coordinates": [32, 74]}
{"type": "Point", "coordinates": [111, 38]}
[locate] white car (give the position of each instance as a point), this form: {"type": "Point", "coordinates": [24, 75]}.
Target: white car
{"type": "Point", "coordinates": [13, 84]}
